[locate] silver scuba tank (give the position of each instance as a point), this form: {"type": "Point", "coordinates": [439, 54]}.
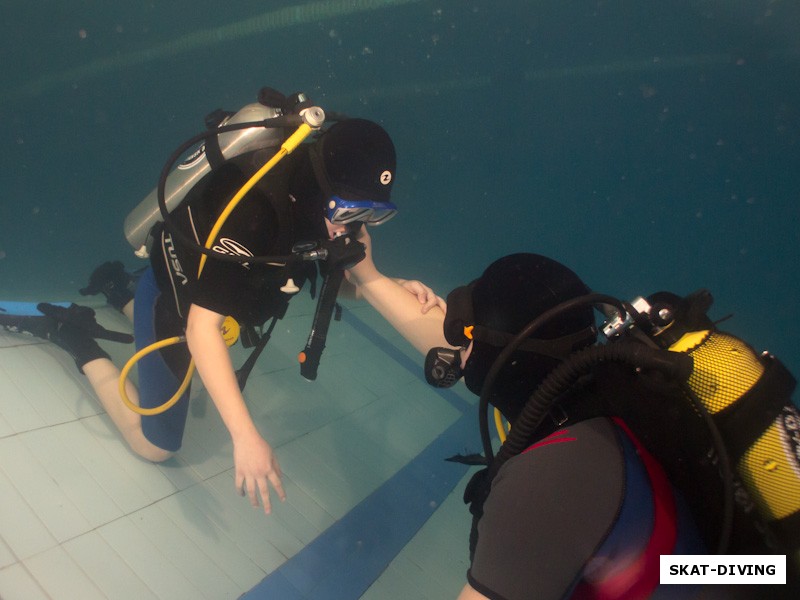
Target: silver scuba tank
{"type": "Point", "coordinates": [140, 220]}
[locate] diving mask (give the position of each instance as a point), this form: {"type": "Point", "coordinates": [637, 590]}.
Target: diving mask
{"type": "Point", "coordinates": [342, 212]}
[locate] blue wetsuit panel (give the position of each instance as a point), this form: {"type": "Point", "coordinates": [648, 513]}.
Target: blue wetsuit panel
{"type": "Point", "coordinates": [157, 382]}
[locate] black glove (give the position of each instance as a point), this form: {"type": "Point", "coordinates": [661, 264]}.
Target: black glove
{"type": "Point", "coordinates": [475, 494]}
{"type": "Point", "coordinates": [477, 491]}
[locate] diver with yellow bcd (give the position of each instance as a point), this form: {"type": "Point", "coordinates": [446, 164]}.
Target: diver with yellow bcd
{"type": "Point", "coordinates": [654, 434]}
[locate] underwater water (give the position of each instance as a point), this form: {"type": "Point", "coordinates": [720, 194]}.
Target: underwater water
{"type": "Point", "coordinates": [649, 145]}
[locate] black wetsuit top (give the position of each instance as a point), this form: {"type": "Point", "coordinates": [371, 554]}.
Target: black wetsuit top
{"type": "Point", "coordinates": [263, 223]}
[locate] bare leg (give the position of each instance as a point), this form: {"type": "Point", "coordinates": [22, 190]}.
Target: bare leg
{"type": "Point", "coordinates": [127, 310]}
{"type": "Point", "coordinates": [103, 375]}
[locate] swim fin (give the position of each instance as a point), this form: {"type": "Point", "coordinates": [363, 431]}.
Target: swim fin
{"type": "Point", "coordinates": [71, 327]}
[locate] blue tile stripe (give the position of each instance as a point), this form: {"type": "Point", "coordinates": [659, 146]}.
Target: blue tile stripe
{"type": "Point", "coordinates": [350, 555]}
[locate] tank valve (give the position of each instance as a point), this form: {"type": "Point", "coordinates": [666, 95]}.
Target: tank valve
{"type": "Point", "coordinates": [313, 116]}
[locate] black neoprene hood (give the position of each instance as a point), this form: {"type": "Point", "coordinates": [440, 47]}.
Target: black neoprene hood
{"type": "Point", "coordinates": [355, 160]}
{"type": "Point", "coordinates": [510, 293]}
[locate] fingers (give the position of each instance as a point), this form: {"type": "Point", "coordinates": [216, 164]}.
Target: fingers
{"type": "Point", "coordinates": [249, 489]}
{"type": "Point", "coordinates": [264, 490]}
{"type": "Point", "coordinates": [252, 488]}
{"type": "Point", "coordinates": [277, 485]}
{"type": "Point", "coordinates": [430, 300]}
{"type": "Point", "coordinates": [425, 296]}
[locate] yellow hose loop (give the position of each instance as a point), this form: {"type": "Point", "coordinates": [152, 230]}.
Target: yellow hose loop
{"type": "Point", "coordinates": [123, 376]}
{"type": "Point", "coordinates": [230, 333]}
{"type": "Point", "coordinates": [291, 143]}
{"type": "Point", "coordinates": [501, 428]}
{"type": "Point", "coordinates": [287, 147]}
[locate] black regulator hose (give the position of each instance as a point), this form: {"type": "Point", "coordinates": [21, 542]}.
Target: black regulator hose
{"type": "Point", "coordinates": [172, 226]}
{"type": "Point", "coordinates": [675, 365]}
{"type": "Point", "coordinates": [528, 331]}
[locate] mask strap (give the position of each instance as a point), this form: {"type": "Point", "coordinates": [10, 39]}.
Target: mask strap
{"type": "Point", "coordinates": [558, 348]}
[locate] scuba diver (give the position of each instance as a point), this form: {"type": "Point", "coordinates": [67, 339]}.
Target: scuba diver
{"type": "Point", "coordinates": [608, 462]}
{"type": "Point", "coordinates": [313, 204]}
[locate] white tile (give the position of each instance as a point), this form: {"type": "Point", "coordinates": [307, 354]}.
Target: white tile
{"type": "Point", "coordinates": [285, 406]}
{"type": "Point", "coordinates": [82, 442]}
{"type": "Point", "coordinates": [144, 474]}
{"type": "Point", "coordinates": [52, 507]}
{"type": "Point", "coordinates": [301, 514]}
{"type": "Point", "coordinates": [187, 534]}
{"type": "Point", "coordinates": [153, 566]}
{"type": "Point", "coordinates": [186, 556]}
{"type": "Point", "coordinates": [6, 556]}
{"type": "Point", "coordinates": [206, 443]}
{"type": "Point", "coordinates": [5, 428]}
{"type": "Point", "coordinates": [216, 543]}
{"type": "Point", "coordinates": [109, 572]}
{"type": "Point", "coordinates": [61, 577]}
{"type": "Point", "coordinates": [21, 528]}
{"type": "Point", "coordinates": [406, 421]}
{"type": "Point", "coordinates": [309, 466]}
{"type": "Point", "coordinates": [16, 583]}
{"type": "Point", "coordinates": [60, 397]}
{"type": "Point", "coordinates": [70, 476]}
{"type": "Point", "coordinates": [179, 472]}
{"type": "Point", "coordinates": [15, 404]}
{"type": "Point", "coordinates": [265, 539]}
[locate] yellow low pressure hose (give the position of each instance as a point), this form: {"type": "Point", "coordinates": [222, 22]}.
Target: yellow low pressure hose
{"type": "Point", "coordinates": [286, 148]}
{"type": "Point", "coordinates": [123, 376]}
{"type": "Point", "coordinates": [313, 117]}
{"type": "Point", "coordinates": [498, 423]}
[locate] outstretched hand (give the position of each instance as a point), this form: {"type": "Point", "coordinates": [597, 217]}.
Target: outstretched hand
{"type": "Point", "coordinates": [256, 468]}
{"type": "Point", "coordinates": [425, 295]}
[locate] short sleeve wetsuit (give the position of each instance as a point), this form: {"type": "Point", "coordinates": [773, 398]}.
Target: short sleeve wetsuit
{"type": "Point", "coordinates": [582, 513]}
{"type": "Point", "coordinates": [249, 292]}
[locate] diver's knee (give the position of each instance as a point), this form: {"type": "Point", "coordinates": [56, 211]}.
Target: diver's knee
{"type": "Point", "coordinates": [149, 451]}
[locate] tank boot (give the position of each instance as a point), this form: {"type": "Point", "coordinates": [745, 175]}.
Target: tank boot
{"type": "Point", "coordinates": [72, 329]}
{"type": "Point", "coordinates": [114, 282]}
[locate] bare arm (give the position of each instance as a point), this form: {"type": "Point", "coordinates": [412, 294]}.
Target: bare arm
{"type": "Point", "coordinates": [254, 462]}
{"type": "Point", "coordinates": [469, 593]}
{"type": "Point", "coordinates": [418, 319]}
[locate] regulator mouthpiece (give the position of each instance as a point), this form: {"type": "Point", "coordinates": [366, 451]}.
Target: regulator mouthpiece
{"type": "Point", "coordinates": [443, 367]}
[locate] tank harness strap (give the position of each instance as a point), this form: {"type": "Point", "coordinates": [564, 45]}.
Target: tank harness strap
{"type": "Point", "coordinates": [213, 152]}
{"type": "Point", "coordinates": [569, 411]}
{"type": "Point", "coordinates": [744, 421]}
{"type": "Point", "coordinates": [244, 371]}
{"type": "Point", "coordinates": [787, 530]}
